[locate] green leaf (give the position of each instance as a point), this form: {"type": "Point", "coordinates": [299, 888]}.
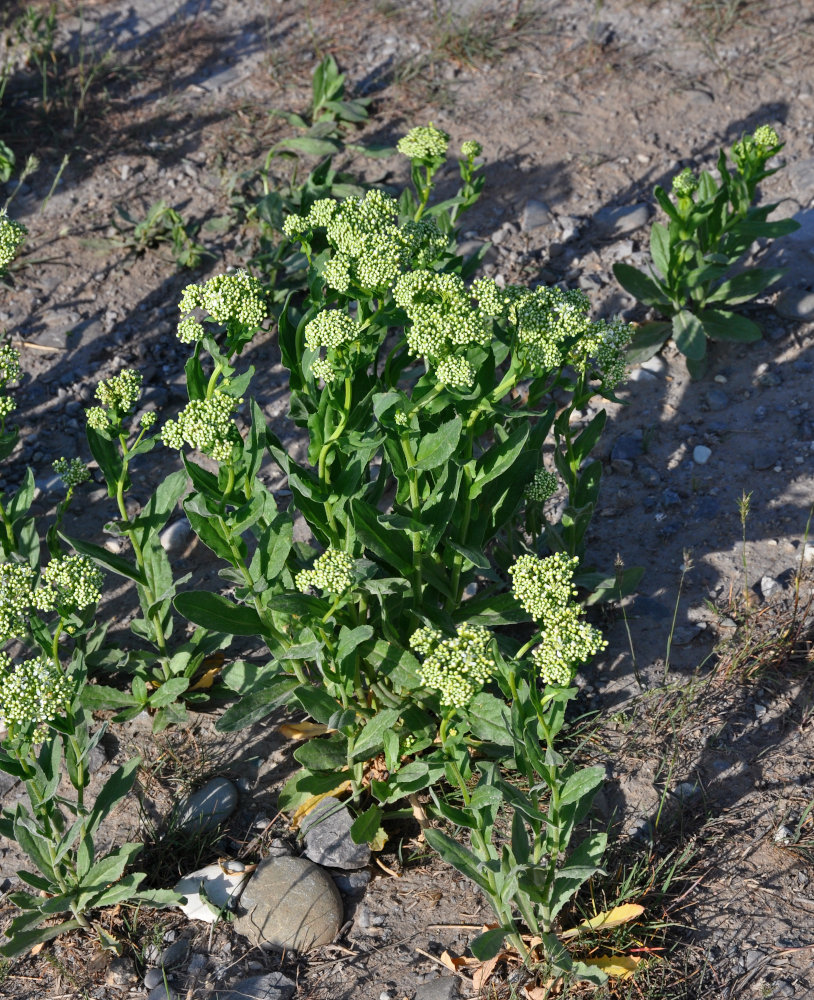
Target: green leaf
{"type": "Point", "coordinates": [689, 335]}
{"type": "Point", "coordinates": [351, 639]}
{"type": "Point", "coordinates": [648, 340]}
{"type": "Point", "coordinates": [317, 703]}
{"type": "Point", "coordinates": [328, 754]}
{"type": "Point", "coordinates": [100, 696]}
{"type": "Point", "coordinates": [107, 456]}
{"type": "Point", "coordinates": [116, 788]}
{"type": "Point", "coordinates": [366, 826]}
{"type": "Point", "coordinates": [108, 559]}
{"type": "Point", "coordinates": [583, 783]}
{"type": "Point", "coordinates": [721, 325]}
{"type": "Point", "coordinates": [660, 247]}
{"type": "Point", "coordinates": [641, 286]}
{"type": "Point", "coordinates": [457, 855]}
{"type": "Point", "coordinates": [399, 666]}
{"type": "Point", "coordinates": [489, 718]}
{"type": "Point", "coordinates": [169, 691]}
{"type": "Point", "coordinates": [311, 146]}
{"type": "Point", "coordinates": [24, 941]}
{"type": "Point", "coordinates": [745, 286]}
{"type": "Point", "coordinates": [388, 544]}
{"type": "Point", "coordinates": [435, 448]}
{"type": "Point", "coordinates": [218, 613]}
{"type": "Point", "coordinates": [257, 704]}
{"type": "Point", "coordinates": [488, 944]}
{"type": "Point", "coordinates": [371, 739]}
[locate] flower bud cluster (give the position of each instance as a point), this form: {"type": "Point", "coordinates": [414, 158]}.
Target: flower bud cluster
{"type": "Point", "coordinates": [456, 667]}
{"type": "Point", "coordinates": [331, 328]}
{"type": "Point", "coordinates": [546, 319]}
{"type": "Point", "coordinates": [34, 693]}
{"type": "Point", "coordinates": [471, 148]}
{"type": "Point", "coordinates": [7, 407]}
{"type": "Point", "coordinates": [12, 237]}
{"type": "Point", "coordinates": [545, 588]}
{"type": "Point", "coordinates": [121, 392]}
{"type": "Point", "coordinates": [10, 370]}
{"type": "Point", "coordinates": [207, 425]}
{"type": "Point", "coordinates": [227, 298]}
{"type": "Point", "coordinates": [331, 573]}
{"type": "Point", "coordinates": [370, 250]}
{"type": "Point", "coordinates": [424, 142]}
{"type": "Point", "coordinates": [17, 598]}
{"type": "Point", "coordinates": [75, 580]}
{"type": "Point", "coordinates": [542, 487]}
{"type": "Point", "coordinates": [190, 331]}
{"type": "Point", "coordinates": [765, 137]}
{"type": "Point", "coordinates": [442, 320]}
{"type": "Point", "coordinates": [72, 472]}
{"type": "Point", "coordinates": [603, 348]}
{"type": "Point", "coordinates": [685, 183]}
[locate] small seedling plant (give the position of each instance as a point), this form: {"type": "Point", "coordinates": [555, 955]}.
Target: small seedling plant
{"type": "Point", "coordinates": [711, 226]}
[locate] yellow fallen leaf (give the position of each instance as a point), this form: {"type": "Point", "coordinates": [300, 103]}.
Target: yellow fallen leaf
{"type": "Point", "coordinates": [303, 730]}
{"type": "Point", "coordinates": [206, 680]}
{"type": "Point", "coordinates": [482, 975]}
{"type": "Point", "coordinates": [380, 838]}
{"type": "Point", "coordinates": [618, 966]}
{"type": "Point", "coordinates": [608, 918]}
{"type": "Point", "coordinates": [309, 804]}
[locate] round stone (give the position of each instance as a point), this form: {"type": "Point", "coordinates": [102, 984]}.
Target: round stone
{"type": "Point", "coordinates": [207, 808]}
{"type": "Point", "coordinates": [290, 904]}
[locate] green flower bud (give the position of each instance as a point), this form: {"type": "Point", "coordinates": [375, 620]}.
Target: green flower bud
{"type": "Point", "coordinates": [425, 142]}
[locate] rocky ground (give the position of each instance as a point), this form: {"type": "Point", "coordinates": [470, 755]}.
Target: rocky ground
{"type": "Point", "coordinates": [581, 108]}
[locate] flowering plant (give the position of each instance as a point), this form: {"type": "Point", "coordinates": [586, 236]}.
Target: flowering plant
{"type": "Point", "coordinates": [711, 226]}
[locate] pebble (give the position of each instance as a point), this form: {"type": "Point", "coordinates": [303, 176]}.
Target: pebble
{"type": "Point", "coordinates": [783, 836]}
{"type": "Point", "coordinates": [221, 890]}
{"type": "Point", "coordinates": [536, 215]}
{"type": "Point", "coordinates": [808, 553]}
{"type": "Point", "coordinates": [687, 790]}
{"type": "Point", "coordinates": [648, 475]}
{"type": "Point", "coordinates": [153, 978]}
{"type": "Point", "coordinates": [717, 399]}
{"type": "Point", "coordinates": [290, 904]}
{"type": "Point", "coordinates": [326, 831]}
{"type": "Point", "coordinates": [763, 461]}
{"type": "Point", "coordinates": [621, 220]}
{"type": "Point", "coordinates": [769, 586]}
{"type": "Point", "coordinates": [625, 449]}
{"type": "Point", "coordinates": [760, 711]}
{"type": "Point", "coordinates": [270, 986]}
{"type": "Point", "coordinates": [176, 538]}
{"type": "Point", "coordinates": [656, 365]}
{"type": "Point", "coordinates": [351, 883]}
{"type": "Point", "coordinates": [442, 988]}
{"type": "Point", "coordinates": [208, 807]}
{"type": "Point", "coordinates": [162, 992]}
{"type": "Point", "coordinates": [175, 953]}
{"type": "Point", "coordinates": [701, 454]}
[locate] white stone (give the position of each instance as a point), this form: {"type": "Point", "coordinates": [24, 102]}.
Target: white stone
{"type": "Point", "coordinates": [701, 454]}
{"type": "Point", "coordinates": [221, 890]}
{"type": "Point", "coordinates": [769, 586]}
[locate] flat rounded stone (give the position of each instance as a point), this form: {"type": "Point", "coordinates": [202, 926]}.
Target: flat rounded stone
{"type": "Point", "coordinates": [326, 831]}
{"type": "Point", "coordinates": [270, 986]}
{"type": "Point", "coordinates": [290, 904]}
{"type": "Point", "coordinates": [208, 807]}
{"type": "Point", "coordinates": [796, 303]}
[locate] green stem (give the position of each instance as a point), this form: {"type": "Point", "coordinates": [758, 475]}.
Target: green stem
{"type": "Point", "coordinates": [9, 543]}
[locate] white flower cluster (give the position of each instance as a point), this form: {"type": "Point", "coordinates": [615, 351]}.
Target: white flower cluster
{"type": "Point", "coordinates": [331, 329]}
{"type": "Point", "coordinates": [603, 348]}
{"type": "Point", "coordinates": [227, 298]}
{"type": "Point", "coordinates": [12, 237]}
{"type": "Point", "coordinates": [764, 142]}
{"type": "Point", "coordinates": [456, 667]}
{"type": "Point", "coordinates": [207, 425]}
{"type": "Point", "coordinates": [331, 573]}
{"type": "Point", "coordinates": [75, 580]}
{"type": "Point", "coordinates": [471, 148]}
{"type": "Point", "coordinates": [442, 320]}
{"type": "Point", "coordinates": [72, 472]}
{"type": "Point", "coordinates": [189, 330]}
{"type": "Point", "coordinates": [546, 318]}
{"type": "Point", "coordinates": [370, 250]}
{"type": "Point", "coordinates": [424, 142]}
{"type": "Point", "coordinates": [10, 370]}
{"type": "Point", "coordinates": [545, 588]}
{"type": "Point", "coordinates": [765, 137]}
{"type": "Point", "coordinates": [17, 598]}
{"type": "Point", "coordinates": [685, 183]}
{"type": "Point", "coordinates": [543, 486]}
{"type": "Point", "coordinates": [35, 692]}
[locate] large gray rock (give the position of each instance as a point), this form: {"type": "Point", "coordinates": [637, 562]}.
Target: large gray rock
{"type": "Point", "coordinates": [290, 904]}
{"type": "Point", "coordinates": [208, 807]}
{"type": "Point", "coordinates": [271, 986]}
{"type": "Point", "coordinates": [328, 842]}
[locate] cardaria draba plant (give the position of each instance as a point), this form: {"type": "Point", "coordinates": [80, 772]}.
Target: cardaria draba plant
{"type": "Point", "coordinates": [711, 226]}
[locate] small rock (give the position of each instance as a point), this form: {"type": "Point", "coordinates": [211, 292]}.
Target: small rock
{"type": "Point", "coordinates": [328, 842]}
{"type": "Point", "coordinates": [717, 399]}
{"type": "Point", "coordinates": [783, 836]}
{"type": "Point", "coordinates": [625, 450]}
{"type": "Point", "coordinates": [795, 303]}
{"type": "Point", "coordinates": [536, 215]}
{"type": "Point", "coordinates": [618, 221]}
{"type": "Point", "coordinates": [769, 586]}
{"type": "Point", "coordinates": [763, 461]}
{"type": "Point", "coordinates": [290, 904]}
{"type": "Point", "coordinates": [684, 635]}
{"type": "Point", "coordinates": [670, 498]}
{"type": "Point", "coordinates": [153, 978]}
{"type": "Point", "coordinates": [648, 475]}
{"type": "Point", "coordinates": [221, 890]}
{"type": "Point", "coordinates": [175, 954]}
{"type": "Point", "coordinates": [271, 986]}
{"type": "Point", "coordinates": [760, 711]}
{"type": "Point", "coordinates": [687, 791]}
{"type": "Point", "coordinates": [120, 972]}
{"type": "Point", "coordinates": [443, 988]}
{"type": "Point", "coordinates": [351, 883]}
{"type": "Point", "coordinates": [162, 992]}
{"type": "Point", "coordinates": [175, 539]}
{"type": "Point", "coordinates": [655, 365]}
{"type": "Point", "coordinates": [208, 807]}
{"type": "Point", "coordinates": [701, 454]}
{"type": "Point", "coordinates": [808, 553]}
{"type": "Point", "coordinates": [753, 958]}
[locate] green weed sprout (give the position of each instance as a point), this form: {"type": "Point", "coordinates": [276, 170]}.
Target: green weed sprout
{"type": "Point", "coordinates": [711, 225]}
